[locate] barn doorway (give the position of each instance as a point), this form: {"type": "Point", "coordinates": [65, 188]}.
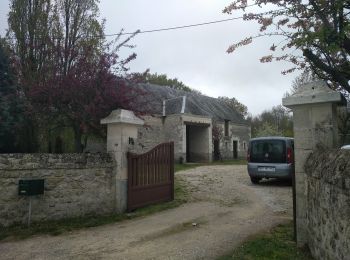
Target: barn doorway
{"type": "Point", "coordinates": [197, 143]}
{"type": "Point", "coordinates": [235, 149]}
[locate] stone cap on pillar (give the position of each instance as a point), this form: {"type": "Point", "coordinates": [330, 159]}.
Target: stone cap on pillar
{"type": "Point", "coordinates": [122, 116]}
{"type": "Point", "coordinates": [311, 93]}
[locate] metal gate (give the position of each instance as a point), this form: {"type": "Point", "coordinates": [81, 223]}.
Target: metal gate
{"type": "Point", "coordinates": [151, 176]}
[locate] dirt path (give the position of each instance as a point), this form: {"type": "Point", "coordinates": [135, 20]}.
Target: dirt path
{"type": "Point", "coordinates": [226, 207]}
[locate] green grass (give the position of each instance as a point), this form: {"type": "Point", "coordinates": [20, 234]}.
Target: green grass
{"type": "Point", "coordinates": [277, 244]}
{"type": "Point", "coordinates": [17, 232]}
{"type": "Point", "coordinates": [188, 166]}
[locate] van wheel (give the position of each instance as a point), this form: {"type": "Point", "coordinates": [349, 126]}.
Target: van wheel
{"type": "Point", "coordinates": [255, 180]}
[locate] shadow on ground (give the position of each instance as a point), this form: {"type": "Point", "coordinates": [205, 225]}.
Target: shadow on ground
{"type": "Point", "coordinates": [275, 182]}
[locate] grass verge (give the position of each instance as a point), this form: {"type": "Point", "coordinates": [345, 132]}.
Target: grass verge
{"type": "Point", "coordinates": [277, 244]}
{"type": "Point", "coordinates": [17, 232]}
{"type": "Point", "coordinates": [188, 166]}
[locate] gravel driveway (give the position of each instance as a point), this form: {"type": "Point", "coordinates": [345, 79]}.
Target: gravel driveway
{"type": "Point", "coordinates": [225, 207]}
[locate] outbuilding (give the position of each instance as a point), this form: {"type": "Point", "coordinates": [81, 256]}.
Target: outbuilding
{"type": "Point", "coordinates": [202, 128]}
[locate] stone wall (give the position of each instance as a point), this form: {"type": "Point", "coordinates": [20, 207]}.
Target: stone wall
{"type": "Point", "coordinates": [328, 204]}
{"type": "Point", "coordinates": [75, 185]}
{"type": "Point", "coordinates": [174, 131]}
{"type": "Point", "coordinates": [157, 130]}
{"type": "Point", "coordinates": [150, 134]}
{"type": "Point", "coordinates": [239, 133]}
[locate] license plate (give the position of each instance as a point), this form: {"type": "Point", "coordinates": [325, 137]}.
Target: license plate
{"type": "Point", "coordinates": [266, 169]}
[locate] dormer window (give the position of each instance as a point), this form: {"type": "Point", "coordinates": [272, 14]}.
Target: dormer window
{"type": "Point", "coordinates": [227, 127]}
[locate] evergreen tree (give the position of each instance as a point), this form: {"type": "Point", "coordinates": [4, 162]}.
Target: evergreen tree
{"type": "Point", "coordinates": [11, 108]}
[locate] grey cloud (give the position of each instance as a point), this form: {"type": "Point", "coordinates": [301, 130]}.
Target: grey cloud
{"type": "Point", "coordinates": [197, 56]}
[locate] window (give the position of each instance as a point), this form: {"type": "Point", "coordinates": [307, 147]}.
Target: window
{"type": "Point", "coordinates": [226, 127]}
{"type": "Point", "coordinates": [244, 146]}
{"type": "Point", "coordinates": [268, 151]}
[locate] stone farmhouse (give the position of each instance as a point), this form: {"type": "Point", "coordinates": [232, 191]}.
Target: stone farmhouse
{"type": "Point", "coordinates": [202, 128]}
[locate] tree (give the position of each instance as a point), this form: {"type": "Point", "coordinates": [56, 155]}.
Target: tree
{"type": "Point", "coordinates": [66, 67]}
{"type": "Point", "coordinates": [267, 129]}
{"type": "Point", "coordinates": [236, 105]}
{"type": "Point", "coordinates": [48, 36]}
{"type": "Point", "coordinates": [304, 78]}
{"type": "Point", "coordinates": [29, 34]}
{"type": "Point", "coordinates": [217, 132]}
{"type": "Point", "coordinates": [163, 80]}
{"type": "Point", "coordinates": [11, 105]}
{"type": "Point", "coordinates": [79, 99]}
{"type": "Point", "coordinates": [217, 136]}
{"type": "Point", "coordinates": [319, 29]}
{"type": "Point", "coordinates": [29, 31]}
{"type": "Point", "coordinates": [276, 121]}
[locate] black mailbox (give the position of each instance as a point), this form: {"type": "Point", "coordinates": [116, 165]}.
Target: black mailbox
{"type": "Point", "coordinates": [31, 187]}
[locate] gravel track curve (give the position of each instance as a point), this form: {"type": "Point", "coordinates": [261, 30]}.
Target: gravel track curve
{"type": "Point", "coordinates": [224, 210]}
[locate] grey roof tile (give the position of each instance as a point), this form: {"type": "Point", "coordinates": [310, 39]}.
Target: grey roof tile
{"type": "Point", "coordinates": [196, 104]}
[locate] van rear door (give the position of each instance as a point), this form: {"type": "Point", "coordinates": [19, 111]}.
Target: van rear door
{"type": "Point", "coordinates": [268, 151]}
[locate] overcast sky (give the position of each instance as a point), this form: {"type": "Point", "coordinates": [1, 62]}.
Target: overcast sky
{"type": "Point", "coordinates": [197, 56]}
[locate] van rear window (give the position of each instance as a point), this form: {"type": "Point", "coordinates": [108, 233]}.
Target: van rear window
{"type": "Point", "coordinates": [268, 151]}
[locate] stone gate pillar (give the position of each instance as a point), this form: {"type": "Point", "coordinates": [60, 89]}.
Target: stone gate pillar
{"type": "Point", "coordinates": [315, 122]}
{"type": "Point", "coordinates": [122, 127]}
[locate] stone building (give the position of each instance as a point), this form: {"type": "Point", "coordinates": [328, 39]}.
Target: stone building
{"type": "Point", "coordinates": [189, 119]}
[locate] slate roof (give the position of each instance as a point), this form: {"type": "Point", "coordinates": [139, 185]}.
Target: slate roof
{"type": "Point", "coordinates": [195, 104]}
